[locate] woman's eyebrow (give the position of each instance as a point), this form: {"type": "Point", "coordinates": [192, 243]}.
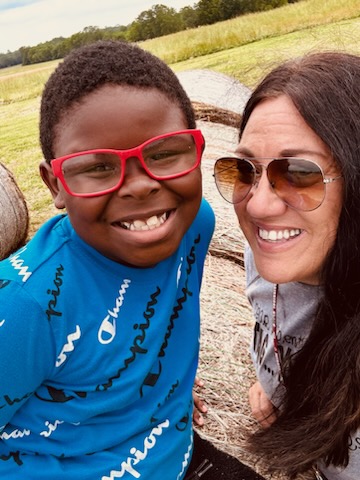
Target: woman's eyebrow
{"type": "Point", "coordinates": [288, 152]}
{"type": "Point", "coordinates": [295, 152]}
{"type": "Point", "coordinates": [244, 151]}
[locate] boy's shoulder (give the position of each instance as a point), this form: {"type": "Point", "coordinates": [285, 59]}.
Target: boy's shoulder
{"type": "Point", "coordinates": [203, 225]}
{"type": "Point", "coordinates": [201, 231]}
{"type": "Point", "coordinates": [206, 208]}
{"type": "Point", "coordinates": [42, 247]}
{"type": "Point", "coordinates": [205, 216]}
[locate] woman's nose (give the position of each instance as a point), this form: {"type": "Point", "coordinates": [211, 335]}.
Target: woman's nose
{"type": "Point", "coordinates": [262, 201]}
{"type": "Point", "coordinates": [137, 183]}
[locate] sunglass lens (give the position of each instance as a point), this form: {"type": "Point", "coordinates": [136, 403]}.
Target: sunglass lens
{"type": "Point", "coordinates": [234, 178]}
{"type": "Point", "coordinates": [299, 183]}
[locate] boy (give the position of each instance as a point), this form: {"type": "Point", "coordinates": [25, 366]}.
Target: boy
{"type": "Point", "coordinates": [100, 310]}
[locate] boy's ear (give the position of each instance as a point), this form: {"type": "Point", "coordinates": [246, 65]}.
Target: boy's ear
{"type": "Point", "coordinates": [52, 183]}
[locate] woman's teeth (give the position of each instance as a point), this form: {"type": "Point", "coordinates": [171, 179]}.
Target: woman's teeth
{"type": "Point", "coordinates": [274, 235]}
{"type": "Point", "coordinates": [145, 224]}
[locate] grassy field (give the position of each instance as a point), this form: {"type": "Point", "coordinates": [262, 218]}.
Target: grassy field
{"type": "Point", "coordinates": [251, 28]}
{"type": "Point", "coordinates": [245, 48]}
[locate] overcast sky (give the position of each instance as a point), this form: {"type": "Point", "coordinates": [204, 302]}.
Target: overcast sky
{"type": "Point", "coordinates": [29, 22]}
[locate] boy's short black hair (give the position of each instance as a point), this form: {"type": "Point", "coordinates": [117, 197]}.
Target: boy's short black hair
{"type": "Point", "coordinates": [105, 62]}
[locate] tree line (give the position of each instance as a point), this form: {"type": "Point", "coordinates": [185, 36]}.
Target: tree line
{"type": "Point", "coordinates": [159, 20]}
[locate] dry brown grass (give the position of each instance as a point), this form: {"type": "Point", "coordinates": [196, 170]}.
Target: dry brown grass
{"type": "Point", "coordinates": [225, 364]}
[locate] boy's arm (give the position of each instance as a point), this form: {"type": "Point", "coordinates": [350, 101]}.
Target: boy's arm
{"type": "Point", "coordinates": [200, 407]}
{"type": "Point", "coordinates": [26, 348]}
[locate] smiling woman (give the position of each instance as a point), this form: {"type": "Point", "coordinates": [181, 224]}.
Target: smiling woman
{"type": "Point", "coordinates": [277, 130]}
{"type": "Point", "coordinates": [295, 183]}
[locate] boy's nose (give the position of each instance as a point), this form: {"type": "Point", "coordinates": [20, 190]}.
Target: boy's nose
{"type": "Point", "coordinates": [137, 182]}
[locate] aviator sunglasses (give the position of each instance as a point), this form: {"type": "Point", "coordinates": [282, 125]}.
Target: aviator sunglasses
{"type": "Point", "coordinates": [92, 173]}
{"type": "Point", "coordinates": [299, 183]}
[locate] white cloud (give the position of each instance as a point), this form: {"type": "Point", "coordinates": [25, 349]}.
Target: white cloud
{"type": "Point", "coordinates": [38, 21]}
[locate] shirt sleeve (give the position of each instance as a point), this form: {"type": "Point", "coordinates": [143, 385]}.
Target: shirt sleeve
{"type": "Point", "coordinates": [26, 348]}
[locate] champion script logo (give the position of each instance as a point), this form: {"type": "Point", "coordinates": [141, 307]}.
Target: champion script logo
{"type": "Point", "coordinates": [152, 377]}
{"type": "Point", "coordinates": [51, 427]}
{"type": "Point", "coordinates": [187, 458]}
{"type": "Point", "coordinates": [55, 292]}
{"type": "Point", "coordinates": [12, 455]}
{"type": "Point", "coordinates": [58, 396]}
{"type": "Point", "coordinates": [69, 346]}
{"type": "Point", "coordinates": [10, 402]}
{"type": "Point", "coordinates": [138, 456]}
{"type": "Point", "coordinates": [107, 330]}
{"type": "Point", "coordinates": [15, 434]}
{"type": "Point", "coordinates": [18, 264]}
{"type": "Point", "coordinates": [4, 283]}
{"type": "Point", "coordinates": [136, 347]}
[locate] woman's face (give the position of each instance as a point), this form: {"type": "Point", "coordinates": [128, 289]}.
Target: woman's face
{"type": "Point", "coordinates": [288, 245]}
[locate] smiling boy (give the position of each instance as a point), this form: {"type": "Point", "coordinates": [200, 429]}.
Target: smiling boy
{"type": "Point", "coordinates": [100, 340]}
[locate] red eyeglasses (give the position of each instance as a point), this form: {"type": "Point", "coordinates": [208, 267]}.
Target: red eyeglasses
{"type": "Point", "coordinates": [97, 172]}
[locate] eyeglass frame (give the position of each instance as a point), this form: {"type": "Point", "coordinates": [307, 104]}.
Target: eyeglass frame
{"type": "Point", "coordinates": [264, 167]}
{"type": "Point", "coordinates": [123, 155]}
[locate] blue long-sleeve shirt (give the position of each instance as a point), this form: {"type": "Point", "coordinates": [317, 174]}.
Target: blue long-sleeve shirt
{"type": "Point", "coordinates": [98, 359]}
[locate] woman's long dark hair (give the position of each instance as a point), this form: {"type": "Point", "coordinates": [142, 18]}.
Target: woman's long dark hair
{"type": "Point", "coordinates": [321, 406]}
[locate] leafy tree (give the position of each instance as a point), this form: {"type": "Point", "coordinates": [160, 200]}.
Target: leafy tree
{"type": "Point", "coordinates": [88, 35]}
{"type": "Point", "coordinates": [59, 49]}
{"type": "Point", "coordinates": [158, 21]}
{"type": "Point", "coordinates": [189, 17]}
{"type": "Point", "coordinates": [232, 8]}
{"type": "Point", "coordinates": [10, 58]}
{"type": "Point", "coordinates": [261, 5]}
{"type": "Point", "coordinates": [208, 12]}
{"type": "Point", "coordinates": [115, 33]}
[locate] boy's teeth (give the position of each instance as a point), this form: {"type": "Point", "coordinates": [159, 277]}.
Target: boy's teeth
{"type": "Point", "coordinates": [274, 235]}
{"type": "Point", "coordinates": [148, 224]}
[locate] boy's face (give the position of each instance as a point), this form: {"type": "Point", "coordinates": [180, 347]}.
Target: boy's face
{"type": "Point", "coordinates": [122, 117]}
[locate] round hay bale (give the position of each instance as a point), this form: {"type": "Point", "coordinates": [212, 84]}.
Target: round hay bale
{"type": "Point", "coordinates": [14, 215]}
{"type": "Point", "coordinates": [210, 113]}
{"type": "Point", "coordinates": [214, 88]}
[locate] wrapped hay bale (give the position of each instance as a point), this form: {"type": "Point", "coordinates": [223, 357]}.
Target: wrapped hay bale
{"type": "Point", "coordinates": [216, 89]}
{"type": "Point", "coordinates": [14, 216]}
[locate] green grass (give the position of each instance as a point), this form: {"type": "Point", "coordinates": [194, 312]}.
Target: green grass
{"type": "Point", "coordinates": [248, 63]}
{"type": "Point", "coordinates": [24, 82]}
{"type": "Point", "coordinates": [20, 152]}
{"type": "Point", "coordinates": [245, 48]}
{"type": "Point", "coordinates": [251, 28]}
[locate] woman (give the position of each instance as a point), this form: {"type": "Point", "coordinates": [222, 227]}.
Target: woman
{"type": "Point", "coordinates": [295, 185]}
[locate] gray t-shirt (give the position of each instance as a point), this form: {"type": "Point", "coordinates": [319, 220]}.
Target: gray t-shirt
{"type": "Point", "coordinates": [296, 308]}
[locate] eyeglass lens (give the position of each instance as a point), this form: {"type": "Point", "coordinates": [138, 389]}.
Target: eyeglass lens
{"type": "Point", "coordinates": [100, 171]}
{"type": "Point", "coordinates": [299, 183]}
